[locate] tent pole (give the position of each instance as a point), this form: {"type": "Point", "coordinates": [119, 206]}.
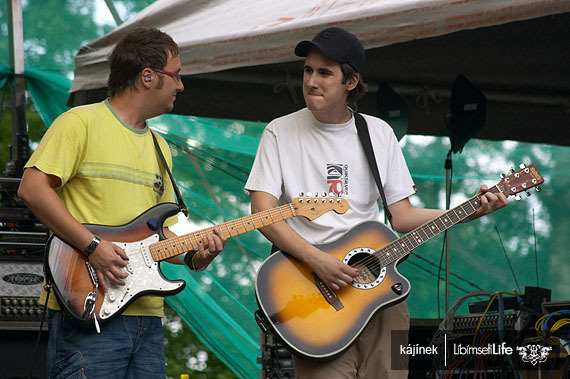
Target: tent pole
{"type": "Point", "coordinates": [19, 149]}
{"type": "Point", "coordinates": [114, 13]}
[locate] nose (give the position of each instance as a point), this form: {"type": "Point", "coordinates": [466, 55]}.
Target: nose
{"type": "Point", "coordinates": [310, 79]}
{"type": "Point", "coordinates": [180, 86]}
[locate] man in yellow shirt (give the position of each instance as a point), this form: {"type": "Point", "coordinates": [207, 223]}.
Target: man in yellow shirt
{"type": "Point", "coordinates": [97, 164]}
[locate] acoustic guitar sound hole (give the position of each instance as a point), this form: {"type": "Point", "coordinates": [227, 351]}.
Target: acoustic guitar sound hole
{"type": "Point", "coordinates": [371, 271]}
{"type": "Point", "coordinates": [368, 266]}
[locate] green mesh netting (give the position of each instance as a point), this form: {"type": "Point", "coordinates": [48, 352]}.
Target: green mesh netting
{"type": "Point", "coordinates": [212, 158]}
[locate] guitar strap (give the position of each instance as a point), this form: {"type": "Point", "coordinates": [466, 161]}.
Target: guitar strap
{"type": "Point", "coordinates": [183, 207]}
{"type": "Point", "coordinates": [364, 136]}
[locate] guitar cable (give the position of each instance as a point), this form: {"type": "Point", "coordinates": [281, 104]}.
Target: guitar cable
{"type": "Point", "coordinates": [38, 339]}
{"type": "Point", "coordinates": [508, 260]}
{"type": "Point", "coordinates": [535, 249]}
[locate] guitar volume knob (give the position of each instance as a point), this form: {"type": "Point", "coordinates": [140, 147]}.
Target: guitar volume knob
{"type": "Point", "coordinates": [397, 288]}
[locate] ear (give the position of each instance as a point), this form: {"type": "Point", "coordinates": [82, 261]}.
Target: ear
{"type": "Point", "coordinates": [146, 77]}
{"type": "Point", "coordinates": [352, 82]}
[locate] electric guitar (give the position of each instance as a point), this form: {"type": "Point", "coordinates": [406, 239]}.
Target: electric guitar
{"type": "Point", "coordinates": [317, 322]}
{"type": "Point", "coordinates": [76, 284]}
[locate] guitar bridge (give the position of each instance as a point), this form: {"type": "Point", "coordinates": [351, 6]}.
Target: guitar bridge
{"type": "Point", "coordinates": [329, 295]}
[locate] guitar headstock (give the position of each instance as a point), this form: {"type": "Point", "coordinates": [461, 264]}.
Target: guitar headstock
{"type": "Point", "coordinates": [312, 207]}
{"type": "Point", "coordinates": [518, 181]}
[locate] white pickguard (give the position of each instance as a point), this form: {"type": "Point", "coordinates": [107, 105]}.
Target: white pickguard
{"type": "Point", "coordinates": [144, 275]}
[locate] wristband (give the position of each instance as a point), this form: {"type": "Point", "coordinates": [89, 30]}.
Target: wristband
{"type": "Point", "coordinates": [189, 260]}
{"type": "Point", "coordinates": [92, 246]}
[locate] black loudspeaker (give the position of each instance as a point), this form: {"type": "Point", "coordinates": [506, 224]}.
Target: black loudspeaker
{"type": "Point", "coordinates": [393, 109]}
{"type": "Point", "coordinates": [467, 112]}
{"type": "Point", "coordinates": [18, 356]}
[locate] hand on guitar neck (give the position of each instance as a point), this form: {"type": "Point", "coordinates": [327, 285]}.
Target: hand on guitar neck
{"type": "Point", "coordinates": [490, 202]}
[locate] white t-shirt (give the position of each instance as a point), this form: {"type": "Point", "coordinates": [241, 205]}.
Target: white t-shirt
{"type": "Point", "coordinates": [298, 154]}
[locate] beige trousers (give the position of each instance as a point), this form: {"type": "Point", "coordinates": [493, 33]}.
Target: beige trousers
{"type": "Point", "coordinates": [370, 356]}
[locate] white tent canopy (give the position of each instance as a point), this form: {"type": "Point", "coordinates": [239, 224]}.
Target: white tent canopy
{"type": "Point", "coordinates": [237, 55]}
{"type": "Point", "coordinates": [224, 34]}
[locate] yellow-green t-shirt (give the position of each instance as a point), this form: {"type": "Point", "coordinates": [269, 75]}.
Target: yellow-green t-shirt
{"type": "Point", "coordinates": [110, 173]}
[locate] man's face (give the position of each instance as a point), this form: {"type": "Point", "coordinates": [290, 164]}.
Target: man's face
{"type": "Point", "coordinates": [169, 86]}
{"type": "Point", "coordinates": [323, 90]}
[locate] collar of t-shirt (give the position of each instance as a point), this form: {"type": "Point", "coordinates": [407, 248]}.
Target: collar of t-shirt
{"type": "Point", "coordinates": [333, 128]}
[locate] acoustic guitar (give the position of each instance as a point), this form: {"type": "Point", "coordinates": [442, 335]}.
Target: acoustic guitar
{"type": "Point", "coordinates": [314, 321]}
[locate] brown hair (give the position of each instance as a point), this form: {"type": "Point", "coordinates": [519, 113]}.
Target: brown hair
{"type": "Point", "coordinates": [141, 47]}
{"type": "Point", "coordinates": [348, 72]}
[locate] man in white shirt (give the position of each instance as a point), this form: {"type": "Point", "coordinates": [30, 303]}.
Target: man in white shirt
{"type": "Point", "coordinates": [317, 149]}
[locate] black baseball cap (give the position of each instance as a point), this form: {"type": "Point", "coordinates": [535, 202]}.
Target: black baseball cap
{"type": "Point", "coordinates": [337, 44]}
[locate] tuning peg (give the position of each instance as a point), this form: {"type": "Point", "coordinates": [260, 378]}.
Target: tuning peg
{"type": "Point", "coordinates": [331, 194]}
{"type": "Point", "coordinates": [324, 194]}
{"type": "Point", "coordinates": [512, 170]}
{"type": "Point", "coordinates": [309, 194]}
{"type": "Point", "coordinates": [517, 197]}
{"type": "Point", "coordinates": [503, 176]}
{"type": "Point", "coordinates": [527, 193]}
{"type": "Point", "coordinates": [522, 165]}
{"type": "Point", "coordinates": [301, 194]}
{"type": "Point", "coordinates": [537, 189]}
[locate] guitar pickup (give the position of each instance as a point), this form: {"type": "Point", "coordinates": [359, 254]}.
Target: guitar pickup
{"type": "Point", "coordinates": [329, 295]}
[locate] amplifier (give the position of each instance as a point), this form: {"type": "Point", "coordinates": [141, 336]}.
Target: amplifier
{"type": "Point", "coordinates": [468, 323]}
{"type": "Point", "coordinates": [276, 361]}
{"type": "Point", "coordinates": [27, 241]}
{"type": "Point", "coordinates": [20, 290]}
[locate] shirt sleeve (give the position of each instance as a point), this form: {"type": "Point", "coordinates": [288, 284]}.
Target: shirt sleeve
{"type": "Point", "coordinates": [266, 173]}
{"type": "Point", "coordinates": [62, 148]}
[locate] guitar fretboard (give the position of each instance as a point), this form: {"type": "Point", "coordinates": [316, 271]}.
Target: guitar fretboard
{"type": "Point", "coordinates": [405, 244]}
{"type": "Point", "coordinates": [172, 247]}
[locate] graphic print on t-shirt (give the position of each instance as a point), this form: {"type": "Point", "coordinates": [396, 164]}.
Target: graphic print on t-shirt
{"type": "Point", "coordinates": [337, 178]}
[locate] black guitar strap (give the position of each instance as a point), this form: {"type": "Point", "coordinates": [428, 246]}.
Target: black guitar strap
{"type": "Point", "coordinates": [183, 207]}
{"type": "Point", "coordinates": [364, 136]}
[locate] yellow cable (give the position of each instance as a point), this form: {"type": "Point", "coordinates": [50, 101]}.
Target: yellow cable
{"type": "Point", "coordinates": [487, 309]}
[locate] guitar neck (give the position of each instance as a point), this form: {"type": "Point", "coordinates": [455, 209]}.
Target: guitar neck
{"type": "Point", "coordinates": [172, 247]}
{"type": "Point", "coordinates": [408, 242]}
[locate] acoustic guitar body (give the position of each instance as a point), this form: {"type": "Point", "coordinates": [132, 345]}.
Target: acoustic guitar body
{"type": "Point", "coordinates": [295, 302]}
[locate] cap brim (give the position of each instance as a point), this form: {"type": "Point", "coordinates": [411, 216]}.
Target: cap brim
{"type": "Point", "coordinates": [303, 47]}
